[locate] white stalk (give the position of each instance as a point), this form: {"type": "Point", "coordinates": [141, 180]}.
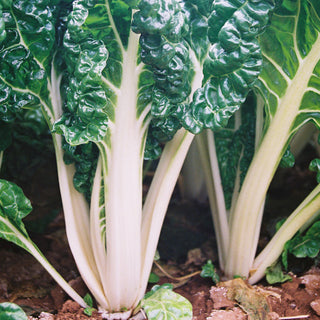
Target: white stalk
{"type": "Point", "coordinates": [96, 229]}
{"type": "Point", "coordinates": [76, 214]}
{"type": "Point", "coordinates": [304, 214]}
{"type": "Point", "coordinates": [122, 176]}
{"type": "Point", "coordinates": [246, 221]}
{"type": "Point", "coordinates": [75, 207]}
{"type": "Point", "coordinates": [210, 167]}
{"type": "Point", "coordinates": [158, 198]}
{"type": "Point", "coordinates": [161, 189]}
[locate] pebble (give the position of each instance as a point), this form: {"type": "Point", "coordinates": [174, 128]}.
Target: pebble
{"type": "Point", "coordinates": [315, 305]}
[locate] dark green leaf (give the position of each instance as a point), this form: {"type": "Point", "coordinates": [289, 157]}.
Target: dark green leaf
{"type": "Point", "coordinates": [153, 278]}
{"type": "Point", "coordinates": [11, 311]}
{"type": "Point", "coordinates": [315, 166]}
{"type": "Point", "coordinates": [209, 271]}
{"type": "Point", "coordinates": [286, 46]}
{"type": "Point", "coordinates": [275, 274]}
{"type": "Point", "coordinates": [233, 63]}
{"type": "Point", "coordinates": [303, 245]}
{"type": "Point", "coordinates": [238, 136]}
{"type": "Point", "coordinates": [14, 206]}
{"type": "Point", "coordinates": [287, 160]}
{"type": "Point", "coordinates": [309, 244]}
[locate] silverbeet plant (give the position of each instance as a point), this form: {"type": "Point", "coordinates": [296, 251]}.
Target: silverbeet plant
{"type": "Point", "coordinates": [118, 82]}
{"type": "Point", "coordinates": [285, 98]}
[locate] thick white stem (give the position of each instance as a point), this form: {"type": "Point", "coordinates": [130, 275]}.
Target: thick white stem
{"type": "Point", "coordinates": [158, 198]}
{"type": "Point", "coordinates": [161, 189]}
{"type": "Point", "coordinates": [304, 214]}
{"type": "Point", "coordinates": [123, 190]}
{"type": "Point", "coordinates": [97, 225]}
{"type": "Point", "coordinates": [76, 214]}
{"type": "Point", "coordinates": [247, 219]}
{"type": "Point", "coordinates": [75, 207]}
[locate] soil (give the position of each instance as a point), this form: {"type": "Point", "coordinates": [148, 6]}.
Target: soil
{"type": "Point", "coordinates": [24, 282]}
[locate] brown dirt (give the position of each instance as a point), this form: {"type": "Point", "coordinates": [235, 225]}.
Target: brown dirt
{"type": "Point", "coordinates": [23, 281]}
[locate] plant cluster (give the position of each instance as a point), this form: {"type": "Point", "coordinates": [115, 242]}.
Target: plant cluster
{"type": "Point", "coordinates": [117, 82]}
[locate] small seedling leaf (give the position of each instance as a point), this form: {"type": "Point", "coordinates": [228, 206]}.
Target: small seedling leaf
{"type": "Point", "coordinates": [163, 303]}
{"type": "Point", "coordinates": [275, 274]}
{"type": "Point", "coordinates": [11, 311]}
{"type": "Point", "coordinates": [209, 271]}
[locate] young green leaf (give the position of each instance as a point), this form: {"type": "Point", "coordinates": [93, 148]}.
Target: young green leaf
{"type": "Point", "coordinates": [275, 274]}
{"type": "Point", "coordinates": [11, 311]}
{"type": "Point", "coordinates": [163, 303]}
{"type": "Point", "coordinates": [153, 278]}
{"type": "Point", "coordinates": [302, 246]}
{"type": "Point", "coordinates": [89, 301]}
{"type": "Point", "coordinates": [209, 271]}
{"type": "Point", "coordinates": [14, 206]}
{"type": "Point", "coordinates": [315, 166]}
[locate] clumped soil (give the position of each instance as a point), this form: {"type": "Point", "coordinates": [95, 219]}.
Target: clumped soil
{"type": "Point", "coordinates": [188, 225]}
{"type": "Point", "coordinates": [23, 281]}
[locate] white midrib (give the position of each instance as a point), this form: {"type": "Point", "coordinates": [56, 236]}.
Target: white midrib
{"type": "Point", "coordinates": [161, 188]}
{"type": "Point", "coordinates": [263, 166]}
{"type": "Point", "coordinates": [123, 190]}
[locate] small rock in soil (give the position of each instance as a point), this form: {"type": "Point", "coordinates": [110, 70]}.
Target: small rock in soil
{"type": "Point", "coordinates": [315, 305]}
{"type": "Point", "coordinates": [43, 316]}
{"type": "Point", "coordinates": [312, 283]}
{"type": "Point", "coordinates": [232, 314]}
{"type": "Point", "coordinates": [219, 297]}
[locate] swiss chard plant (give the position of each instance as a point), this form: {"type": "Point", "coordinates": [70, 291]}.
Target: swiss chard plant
{"type": "Point", "coordinates": [285, 98]}
{"type": "Point", "coordinates": [118, 82]}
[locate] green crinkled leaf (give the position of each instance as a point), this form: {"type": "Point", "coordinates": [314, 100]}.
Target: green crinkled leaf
{"type": "Point", "coordinates": [275, 274]}
{"type": "Point", "coordinates": [238, 136]}
{"type": "Point", "coordinates": [286, 46]}
{"type": "Point", "coordinates": [85, 158]}
{"type": "Point", "coordinates": [36, 20]}
{"type": "Point", "coordinates": [13, 202]}
{"type": "Point", "coordinates": [11, 311]}
{"type": "Point", "coordinates": [32, 35]}
{"type": "Point", "coordinates": [163, 303]}
{"type": "Point", "coordinates": [232, 65]}
{"type": "Point", "coordinates": [85, 117]}
{"type": "Point", "coordinates": [223, 38]}
{"type": "Point", "coordinates": [162, 26]}
{"type": "Point", "coordinates": [315, 166]}
{"type": "Point", "coordinates": [94, 56]}
{"type": "Point", "coordinates": [309, 244]}
{"type": "Point", "coordinates": [303, 245]}
{"type": "Point", "coordinates": [287, 160]}
{"type": "Point", "coordinates": [14, 206]}
{"type": "Point", "coordinates": [2, 26]}
{"type": "Point", "coordinates": [197, 37]}
{"type": "Point", "coordinates": [209, 271]}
